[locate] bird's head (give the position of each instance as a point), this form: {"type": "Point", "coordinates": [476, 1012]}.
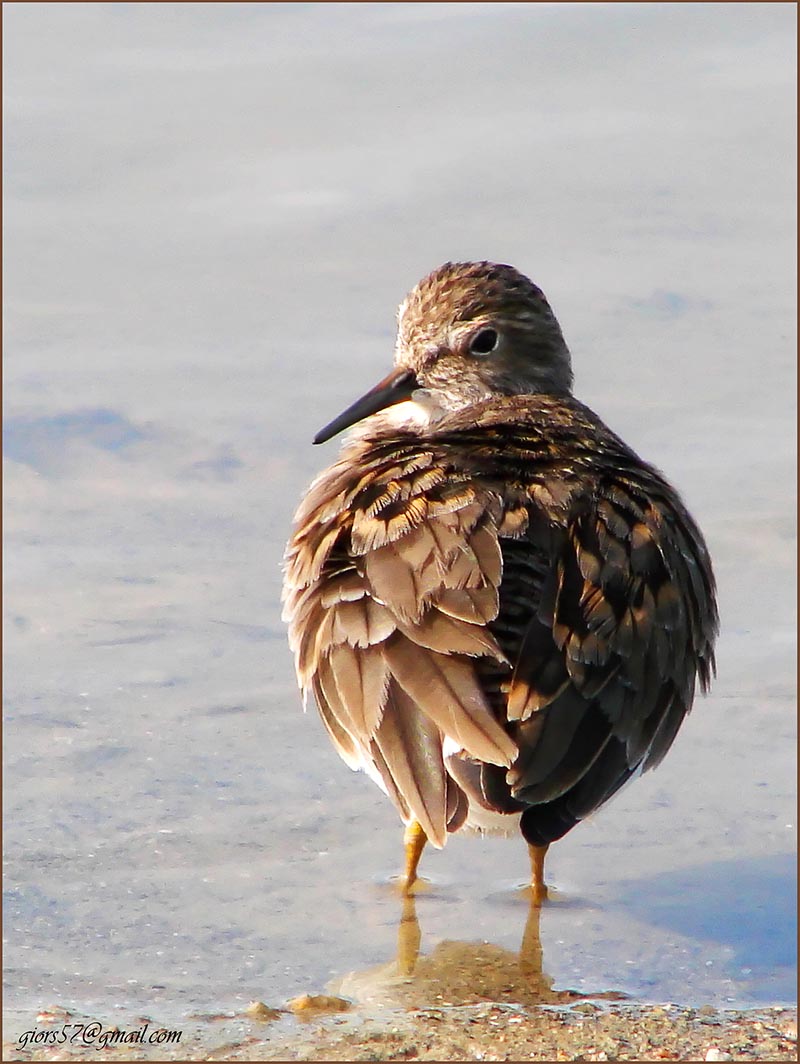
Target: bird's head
{"type": "Point", "coordinates": [468, 331]}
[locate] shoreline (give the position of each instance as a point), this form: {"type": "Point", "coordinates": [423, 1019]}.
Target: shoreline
{"type": "Point", "coordinates": [485, 1031]}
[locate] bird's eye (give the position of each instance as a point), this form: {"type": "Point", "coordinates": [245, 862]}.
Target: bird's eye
{"type": "Point", "coordinates": [483, 342]}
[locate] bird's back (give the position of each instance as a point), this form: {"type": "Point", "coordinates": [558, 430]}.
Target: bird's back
{"type": "Point", "coordinates": [504, 614]}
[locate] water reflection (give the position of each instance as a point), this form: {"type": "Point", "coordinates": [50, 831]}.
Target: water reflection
{"type": "Point", "coordinates": [461, 973]}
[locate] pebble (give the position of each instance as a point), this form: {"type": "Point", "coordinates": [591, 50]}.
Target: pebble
{"type": "Point", "coordinates": [715, 1053]}
{"type": "Point", "coordinates": [53, 1015]}
{"type": "Point", "coordinates": [257, 1010]}
{"type": "Point", "coordinates": [308, 1003]}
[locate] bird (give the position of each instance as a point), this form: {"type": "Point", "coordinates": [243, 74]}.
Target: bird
{"type": "Point", "coordinates": [502, 612]}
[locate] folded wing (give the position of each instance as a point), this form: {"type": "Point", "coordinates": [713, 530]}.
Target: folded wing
{"type": "Point", "coordinates": [390, 584]}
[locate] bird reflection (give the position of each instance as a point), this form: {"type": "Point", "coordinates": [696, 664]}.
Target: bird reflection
{"type": "Point", "coordinates": [461, 972]}
{"type": "Point", "coordinates": [458, 973]}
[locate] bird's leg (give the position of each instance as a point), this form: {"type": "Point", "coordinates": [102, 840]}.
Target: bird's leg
{"type": "Point", "coordinates": [415, 839]}
{"type": "Point", "coordinates": [538, 885]}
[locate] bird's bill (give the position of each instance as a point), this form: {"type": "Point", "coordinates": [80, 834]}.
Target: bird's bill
{"type": "Point", "coordinates": [395, 388]}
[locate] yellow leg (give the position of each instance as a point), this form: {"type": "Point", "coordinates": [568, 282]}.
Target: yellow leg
{"type": "Point", "coordinates": [538, 886]}
{"type": "Point", "coordinates": [415, 839]}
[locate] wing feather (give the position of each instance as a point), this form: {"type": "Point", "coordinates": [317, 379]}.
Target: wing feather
{"type": "Point", "coordinates": [411, 749]}
{"type": "Point", "coordinates": [362, 680]}
{"type": "Point", "coordinates": [390, 586]}
{"type": "Point", "coordinates": [447, 690]}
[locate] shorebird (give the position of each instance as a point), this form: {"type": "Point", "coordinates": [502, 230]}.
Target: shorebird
{"type": "Point", "coordinates": [501, 610]}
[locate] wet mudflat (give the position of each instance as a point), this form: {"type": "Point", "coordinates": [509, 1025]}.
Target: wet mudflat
{"type": "Point", "coordinates": [210, 216]}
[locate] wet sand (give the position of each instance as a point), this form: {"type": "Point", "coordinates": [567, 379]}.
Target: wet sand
{"type": "Point", "coordinates": [586, 1030]}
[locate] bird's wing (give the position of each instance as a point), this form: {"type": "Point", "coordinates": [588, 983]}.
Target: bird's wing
{"type": "Point", "coordinates": [392, 575]}
{"type": "Point", "coordinates": [605, 659]}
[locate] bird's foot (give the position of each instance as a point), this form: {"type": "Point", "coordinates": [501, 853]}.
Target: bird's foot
{"type": "Point", "coordinates": [539, 894]}
{"type": "Point", "coordinates": [410, 888]}
{"type": "Point", "coordinates": [536, 894]}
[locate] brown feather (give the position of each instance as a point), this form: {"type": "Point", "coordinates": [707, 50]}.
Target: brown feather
{"type": "Point", "coordinates": [379, 761]}
{"type": "Point", "coordinates": [441, 633]}
{"type": "Point", "coordinates": [446, 689]}
{"type": "Point", "coordinates": [483, 542]}
{"type": "Point", "coordinates": [411, 746]}
{"type": "Point", "coordinates": [394, 583]}
{"type": "Point", "coordinates": [361, 624]}
{"type": "Point", "coordinates": [346, 748]}
{"type": "Point", "coordinates": [327, 692]}
{"type": "Point", "coordinates": [457, 806]}
{"type": "Point", "coordinates": [476, 605]}
{"type": "Point", "coordinates": [362, 679]}
{"type": "Point", "coordinates": [346, 587]}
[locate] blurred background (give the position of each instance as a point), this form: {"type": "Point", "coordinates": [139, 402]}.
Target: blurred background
{"type": "Point", "coordinates": [211, 212]}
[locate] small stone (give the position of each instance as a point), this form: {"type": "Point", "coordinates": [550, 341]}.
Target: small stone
{"type": "Point", "coordinates": [790, 1031]}
{"type": "Point", "coordinates": [54, 1015]}
{"type": "Point", "coordinates": [257, 1010]}
{"type": "Point", "coordinates": [715, 1053]}
{"type": "Point", "coordinates": [707, 1010]}
{"type": "Point", "coordinates": [309, 1003]}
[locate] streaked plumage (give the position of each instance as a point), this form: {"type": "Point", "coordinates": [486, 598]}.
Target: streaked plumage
{"type": "Point", "coordinates": [500, 609]}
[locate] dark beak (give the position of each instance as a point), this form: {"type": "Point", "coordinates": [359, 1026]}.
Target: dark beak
{"type": "Point", "coordinates": [392, 389]}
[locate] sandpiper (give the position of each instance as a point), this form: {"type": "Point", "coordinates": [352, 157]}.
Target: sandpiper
{"type": "Point", "coordinates": [501, 610]}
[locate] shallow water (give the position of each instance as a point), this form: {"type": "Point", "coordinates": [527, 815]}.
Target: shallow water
{"type": "Point", "coordinates": [211, 212]}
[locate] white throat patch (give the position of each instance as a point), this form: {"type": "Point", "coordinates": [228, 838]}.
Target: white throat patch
{"type": "Point", "coordinates": [418, 412]}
